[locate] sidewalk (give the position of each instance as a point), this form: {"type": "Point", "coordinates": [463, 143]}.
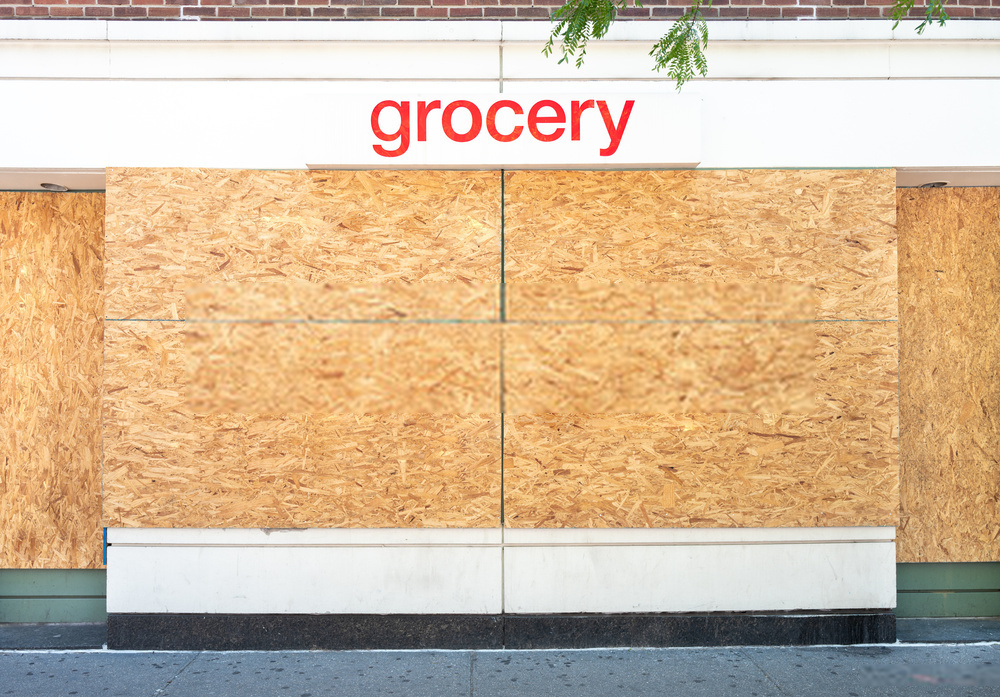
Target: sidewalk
{"type": "Point", "coordinates": [857, 671]}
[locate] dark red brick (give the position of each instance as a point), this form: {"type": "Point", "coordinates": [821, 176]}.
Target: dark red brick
{"type": "Point", "coordinates": [32, 11]}
{"type": "Point", "coordinates": [66, 12]}
{"type": "Point", "coordinates": [667, 12]}
{"type": "Point", "coordinates": [499, 12]}
{"type": "Point", "coordinates": [764, 12]}
{"type": "Point", "coordinates": [267, 12]}
{"type": "Point", "coordinates": [733, 12]}
{"type": "Point", "coordinates": [302, 12]}
{"type": "Point", "coordinates": [465, 12]}
{"type": "Point", "coordinates": [198, 12]}
{"type": "Point", "coordinates": [130, 12]}
{"type": "Point", "coordinates": [362, 12]}
{"type": "Point", "coordinates": [399, 12]}
{"type": "Point", "coordinates": [432, 12]}
{"type": "Point", "coordinates": [328, 12]}
{"type": "Point", "coordinates": [97, 11]}
{"type": "Point", "coordinates": [831, 12]}
{"type": "Point", "coordinates": [864, 12]}
{"type": "Point", "coordinates": [796, 12]}
{"type": "Point", "coordinates": [235, 12]}
{"type": "Point", "coordinates": [538, 12]}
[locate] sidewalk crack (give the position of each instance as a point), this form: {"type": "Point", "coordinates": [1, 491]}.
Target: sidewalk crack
{"type": "Point", "coordinates": [763, 672]}
{"type": "Point", "coordinates": [163, 689]}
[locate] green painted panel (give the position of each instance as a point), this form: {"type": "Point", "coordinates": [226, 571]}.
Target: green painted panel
{"type": "Point", "coordinates": [960, 604]}
{"type": "Point", "coordinates": [60, 582]}
{"type": "Point", "coordinates": [53, 595]}
{"type": "Point", "coordinates": [53, 610]}
{"type": "Point", "coordinates": [948, 576]}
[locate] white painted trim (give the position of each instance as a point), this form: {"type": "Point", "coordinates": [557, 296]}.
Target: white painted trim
{"type": "Point", "coordinates": [514, 537]}
{"type": "Point", "coordinates": [492, 31]}
{"type": "Point", "coordinates": [309, 580]}
{"type": "Point", "coordinates": [700, 578]}
{"type": "Point", "coordinates": [416, 61]}
{"type": "Point", "coordinates": [509, 537]}
{"type": "Point", "coordinates": [307, 537]}
{"type": "Point", "coordinates": [450, 571]}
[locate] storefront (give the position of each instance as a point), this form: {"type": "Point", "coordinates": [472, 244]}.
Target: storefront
{"type": "Point", "coordinates": [408, 336]}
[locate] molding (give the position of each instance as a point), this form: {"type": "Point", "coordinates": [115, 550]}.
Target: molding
{"type": "Point", "coordinates": [491, 537]}
{"type": "Point", "coordinates": [486, 31]}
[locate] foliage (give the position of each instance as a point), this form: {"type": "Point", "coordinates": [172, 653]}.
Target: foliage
{"type": "Point", "coordinates": [580, 20]}
{"type": "Point", "coordinates": [933, 12]}
{"type": "Point", "coordinates": [681, 51]}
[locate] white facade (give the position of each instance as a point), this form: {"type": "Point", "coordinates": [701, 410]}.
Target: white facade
{"type": "Point", "coordinates": [81, 96]}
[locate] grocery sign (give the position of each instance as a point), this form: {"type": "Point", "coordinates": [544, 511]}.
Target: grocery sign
{"type": "Point", "coordinates": [509, 130]}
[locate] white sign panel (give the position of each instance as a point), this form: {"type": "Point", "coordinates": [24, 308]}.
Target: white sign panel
{"type": "Point", "coordinates": [393, 131]}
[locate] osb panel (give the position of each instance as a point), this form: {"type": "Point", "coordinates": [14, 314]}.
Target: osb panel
{"type": "Point", "coordinates": [344, 301]}
{"type": "Point", "coordinates": [659, 368]}
{"type": "Point", "coordinates": [601, 300]}
{"type": "Point", "coordinates": [287, 368]}
{"type": "Point", "coordinates": [51, 310]}
{"type": "Point", "coordinates": [949, 288]}
{"type": "Point", "coordinates": [170, 230]}
{"type": "Point", "coordinates": [833, 230]}
{"type": "Point", "coordinates": [835, 467]}
{"type": "Point", "coordinates": [166, 466]}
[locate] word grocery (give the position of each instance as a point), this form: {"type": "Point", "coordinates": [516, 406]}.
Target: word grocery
{"type": "Point", "coordinates": [395, 123]}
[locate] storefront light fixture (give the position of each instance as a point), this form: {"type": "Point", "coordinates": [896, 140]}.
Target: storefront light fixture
{"type": "Point", "coordinates": [933, 185]}
{"type": "Point", "coordinates": [49, 186]}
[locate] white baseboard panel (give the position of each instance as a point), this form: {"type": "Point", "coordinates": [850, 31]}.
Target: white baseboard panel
{"type": "Point", "coordinates": [735, 577]}
{"type": "Point", "coordinates": [307, 572]}
{"type": "Point", "coordinates": [482, 572]}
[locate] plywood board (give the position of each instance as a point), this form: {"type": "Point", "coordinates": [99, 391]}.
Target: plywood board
{"type": "Point", "coordinates": [172, 230]}
{"type": "Point", "coordinates": [659, 368]}
{"type": "Point", "coordinates": [51, 311]}
{"type": "Point", "coordinates": [837, 466]}
{"type": "Point", "coordinates": [831, 229]}
{"type": "Point", "coordinates": [285, 368]}
{"type": "Point", "coordinates": [355, 302]}
{"type": "Point", "coordinates": [169, 466]}
{"type": "Point", "coordinates": [636, 301]}
{"type": "Point", "coordinates": [949, 288]}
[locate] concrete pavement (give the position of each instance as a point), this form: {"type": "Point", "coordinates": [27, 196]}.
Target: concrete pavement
{"type": "Point", "coordinates": [860, 671]}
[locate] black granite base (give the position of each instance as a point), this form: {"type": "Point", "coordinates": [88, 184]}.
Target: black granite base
{"type": "Point", "coordinates": [716, 629]}
{"type": "Point", "coordinates": [218, 632]}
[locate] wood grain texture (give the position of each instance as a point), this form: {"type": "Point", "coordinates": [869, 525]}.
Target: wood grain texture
{"type": "Point", "coordinates": [355, 302]}
{"type": "Point", "coordinates": [836, 466]}
{"type": "Point", "coordinates": [342, 369]}
{"type": "Point", "coordinates": [631, 301]}
{"type": "Point", "coordinates": [172, 230]}
{"type": "Point", "coordinates": [831, 229]}
{"type": "Point", "coordinates": [51, 312]}
{"type": "Point", "coordinates": [949, 288]}
{"type": "Point", "coordinates": [660, 368]}
{"type": "Point", "coordinates": [168, 466]}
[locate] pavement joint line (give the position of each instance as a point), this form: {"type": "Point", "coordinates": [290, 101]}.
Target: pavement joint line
{"type": "Point", "coordinates": [163, 689]}
{"type": "Point", "coordinates": [743, 652]}
{"type": "Point", "coordinates": [472, 671]}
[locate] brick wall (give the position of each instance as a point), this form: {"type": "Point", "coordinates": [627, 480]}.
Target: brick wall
{"type": "Point", "coordinates": [456, 9]}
